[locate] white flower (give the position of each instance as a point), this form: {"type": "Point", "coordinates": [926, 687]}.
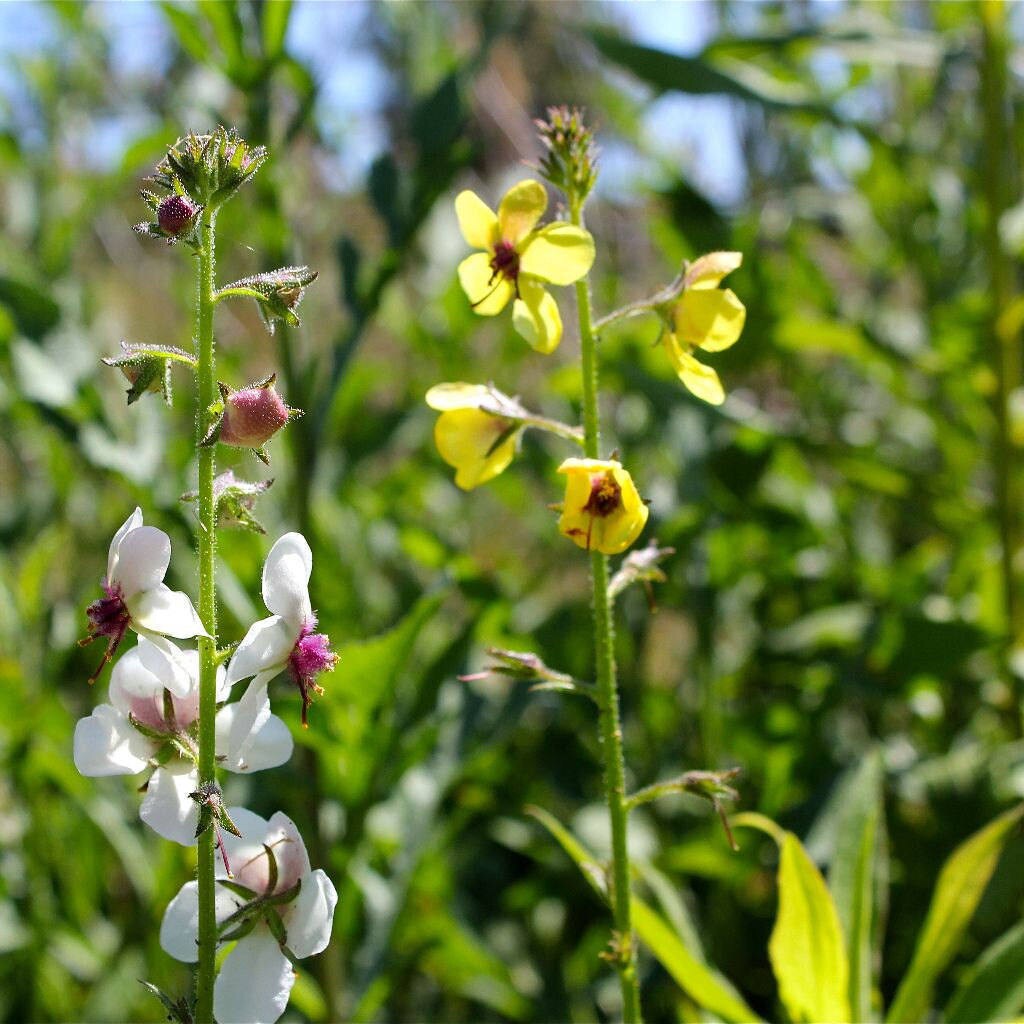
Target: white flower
{"type": "Point", "coordinates": [285, 640]}
{"type": "Point", "coordinates": [135, 593]}
{"type": "Point", "coordinates": [257, 977]}
{"type": "Point", "coordinates": [125, 736]}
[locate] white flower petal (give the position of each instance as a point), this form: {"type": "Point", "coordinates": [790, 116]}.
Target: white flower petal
{"type": "Point", "coordinates": [176, 670]}
{"type": "Point", "coordinates": [133, 522]}
{"type": "Point", "coordinates": [269, 747]}
{"type": "Point", "coordinates": [131, 678]}
{"type": "Point", "coordinates": [286, 578]}
{"type": "Point", "coordinates": [289, 849]}
{"type": "Point", "coordinates": [309, 918]}
{"type": "Point", "coordinates": [179, 929]}
{"type": "Point", "coordinates": [250, 715]}
{"type": "Point", "coordinates": [266, 646]}
{"type": "Point", "coordinates": [106, 743]}
{"type": "Point", "coordinates": [254, 983]}
{"type": "Point", "coordinates": [246, 855]}
{"type": "Point", "coordinates": [167, 807]}
{"type": "Point", "coordinates": [165, 611]}
{"type": "Point", "coordinates": [142, 560]}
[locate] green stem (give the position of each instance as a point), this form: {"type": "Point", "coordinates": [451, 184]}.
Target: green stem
{"type": "Point", "coordinates": [1006, 356]}
{"type": "Point", "coordinates": [205, 301]}
{"type": "Point", "coordinates": [607, 686]}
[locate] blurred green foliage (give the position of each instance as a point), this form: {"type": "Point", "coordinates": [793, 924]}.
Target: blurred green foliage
{"type": "Point", "coordinates": [837, 599]}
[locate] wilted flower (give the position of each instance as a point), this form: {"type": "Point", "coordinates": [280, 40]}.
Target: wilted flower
{"type": "Point", "coordinates": [153, 719]}
{"type": "Point", "coordinates": [134, 592]}
{"type": "Point", "coordinates": [276, 907]}
{"type": "Point", "coordinates": [602, 510]}
{"type": "Point", "coordinates": [518, 259]}
{"type": "Point", "coordinates": [704, 317]}
{"type": "Point", "coordinates": [470, 433]}
{"type": "Point", "coordinates": [285, 640]}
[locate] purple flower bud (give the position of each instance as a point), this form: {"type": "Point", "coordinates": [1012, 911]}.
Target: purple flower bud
{"type": "Point", "coordinates": [252, 416]}
{"type": "Point", "coordinates": [175, 214]}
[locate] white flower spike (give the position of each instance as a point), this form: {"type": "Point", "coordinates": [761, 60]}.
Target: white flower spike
{"type": "Point", "coordinates": [135, 594]}
{"type": "Point", "coordinates": [285, 640]}
{"type": "Point", "coordinates": [257, 976]}
{"type": "Point", "coordinates": [148, 714]}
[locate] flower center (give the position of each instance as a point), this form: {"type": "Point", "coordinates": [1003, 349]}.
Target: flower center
{"type": "Point", "coordinates": [505, 262]}
{"type": "Point", "coordinates": [605, 495]}
{"type": "Point", "coordinates": [310, 656]}
{"type": "Point", "coordinates": [108, 617]}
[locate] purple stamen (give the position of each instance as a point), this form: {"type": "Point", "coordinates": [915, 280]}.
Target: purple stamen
{"type": "Point", "coordinates": [310, 656]}
{"type": "Point", "coordinates": [108, 617]}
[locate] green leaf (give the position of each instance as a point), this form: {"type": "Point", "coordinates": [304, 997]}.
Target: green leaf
{"type": "Point", "coordinates": [33, 310]}
{"type": "Point", "coordinates": [993, 989]}
{"type": "Point", "coordinates": [852, 874]}
{"type": "Point", "coordinates": [806, 947]}
{"type": "Point", "coordinates": [704, 985]}
{"type": "Point", "coordinates": [698, 77]}
{"type": "Point", "coordinates": [274, 27]}
{"type": "Point", "coordinates": [961, 884]}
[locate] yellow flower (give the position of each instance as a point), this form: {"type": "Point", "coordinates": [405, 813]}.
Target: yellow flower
{"type": "Point", "coordinates": [519, 258]}
{"type": "Point", "coordinates": [705, 317]}
{"type": "Point", "coordinates": [602, 509]}
{"type": "Point", "coordinates": [477, 442]}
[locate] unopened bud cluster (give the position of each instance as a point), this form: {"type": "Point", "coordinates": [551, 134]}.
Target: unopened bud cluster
{"type": "Point", "coordinates": [570, 158]}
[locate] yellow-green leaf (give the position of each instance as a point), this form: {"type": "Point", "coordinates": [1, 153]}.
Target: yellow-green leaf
{"type": "Point", "coordinates": [961, 884]}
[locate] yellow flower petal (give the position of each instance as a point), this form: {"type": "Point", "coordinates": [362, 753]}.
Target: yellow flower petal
{"type": "Point", "coordinates": [535, 316]}
{"type": "Point", "coordinates": [701, 380]}
{"type": "Point", "coordinates": [520, 209]}
{"type": "Point", "coordinates": [708, 271]}
{"type": "Point", "coordinates": [559, 253]}
{"type": "Point", "coordinates": [465, 438]}
{"type": "Point", "coordinates": [488, 292]}
{"type": "Point", "coordinates": [602, 510]}
{"type": "Point", "coordinates": [457, 395]}
{"type": "Point", "coordinates": [477, 222]}
{"type": "Point", "coordinates": [711, 319]}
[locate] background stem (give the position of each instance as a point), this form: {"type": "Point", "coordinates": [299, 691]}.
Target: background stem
{"type": "Point", "coordinates": [207, 612]}
{"type": "Point", "coordinates": [607, 686]}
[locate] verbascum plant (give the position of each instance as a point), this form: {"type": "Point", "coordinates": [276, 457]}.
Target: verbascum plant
{"type": "Point", "coordinates": [602, 511]}
{"type": "Point", "coordinates": [170, 712]}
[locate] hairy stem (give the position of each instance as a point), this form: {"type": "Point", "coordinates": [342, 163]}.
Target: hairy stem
{"type": "Point", "coordinates": [205, 301]}
{"type": "Point", "coordinates": [624, 946]}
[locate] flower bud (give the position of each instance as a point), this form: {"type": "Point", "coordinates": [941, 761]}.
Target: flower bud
{"type": "Point", "coordinates": [251, 416]}
{"type": "Point", "coordinates": [176, 214]}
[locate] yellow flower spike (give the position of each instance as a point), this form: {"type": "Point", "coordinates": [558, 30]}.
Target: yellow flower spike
{"type": "Point", "coordinates": [602, 510]}
{"type": "Point", "coordinates": [704, 317]}
{"type": "Point", "coordinates": [469, 438]}
{"type": "Point", "coordinates": [518, 259]}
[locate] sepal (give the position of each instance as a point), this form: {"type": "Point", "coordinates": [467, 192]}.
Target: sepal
{"type": "Point", "coordinates": [640, 566]}
{"type": "Point", "coordinates": [277, 293]}
{"type": "Point", "coordinates": [178, 1010]}
{"type": "Point", "coordinates": [711, 786]}
{"type": "Point", "coordinates": [148, 367]}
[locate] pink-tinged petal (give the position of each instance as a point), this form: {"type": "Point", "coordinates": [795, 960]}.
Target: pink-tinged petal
{"type": "Point", "coordinates": [175, 669]}
{"type": "Point", "coordinates": [270, 746]}
{"type": "Point", "coordinates": [167, 807]}
{"type": "Point", "coordinates": [487, 291]}
{"type": "Point", "coordinates": [292, 860]}
{"type": "Point", "coordinates": [106, 743]}
{"type": "Point", "coordinates": [254, 982]}
{"type": "Point", "coordinates": [165, 611]}
{"type": "Point", "coordinates": [559, 253]}
{"type": "Point", "coordinates": [477, 222]}
{"type": "Point", "coordinates": [250, 714]}
{"type": "Point", "coordinates": [265, 647]}
{"type": "Point", "coordinates": [132, 680]}
{"type": "Point", "coordinates": [309, 918]}
{"type": "Point", "coordinates": [179, 929]}
{"type": "Point", "coordinates": [133, 522]}
{"type": "Point", "coordinates": [142, 560]}
{"type": "Point", "coordinates": [286, 578]}
{"type": "Point", "coordinates": [246, 855]}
